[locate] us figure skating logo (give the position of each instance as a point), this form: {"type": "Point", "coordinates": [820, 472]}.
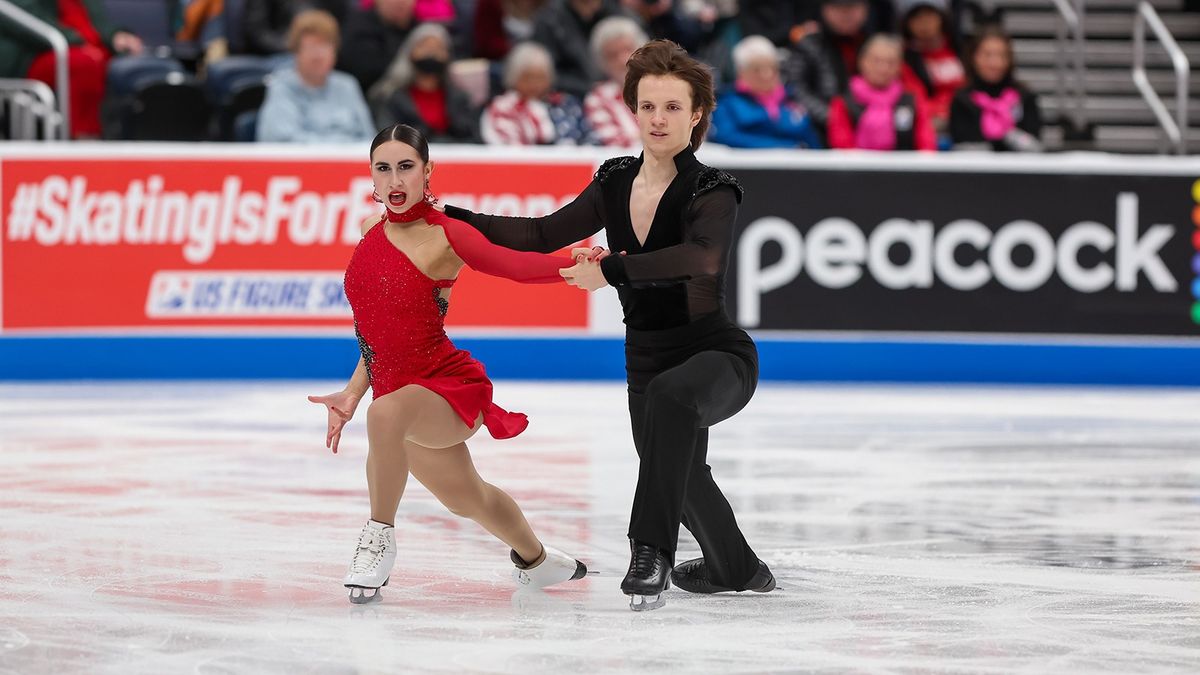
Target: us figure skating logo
{"type": "Point", "coordinates": [246, 294]}
{"type": "Point", "coordinates": [168, 294]}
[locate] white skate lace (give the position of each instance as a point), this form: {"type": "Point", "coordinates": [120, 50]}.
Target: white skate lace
{"type": "Point", "coordinates": [367, 557]}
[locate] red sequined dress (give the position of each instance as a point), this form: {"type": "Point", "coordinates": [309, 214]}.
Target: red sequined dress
{"type": "Point", "coordinates": [399, 315]}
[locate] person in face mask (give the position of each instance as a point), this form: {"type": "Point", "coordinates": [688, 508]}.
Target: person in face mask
{"type": "Point", "coordinates": [417, 91]}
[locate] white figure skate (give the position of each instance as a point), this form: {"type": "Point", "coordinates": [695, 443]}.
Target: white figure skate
{"type": "Point", "coordinates": [555, 568]}
{"type": "Point", "coordinates": [372, 563]}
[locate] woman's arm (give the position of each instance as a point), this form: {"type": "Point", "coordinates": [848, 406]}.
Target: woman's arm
{"type": "Point", "coordinates": [574, 222]}
{"type": "Point", "coordinates": [707, 239]}
{"type": "Point", "coordinates": [484, 256]}
{"type": "Point", "coordinates": [340, 406]}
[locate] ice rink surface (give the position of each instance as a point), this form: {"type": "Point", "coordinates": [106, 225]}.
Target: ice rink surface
{"type": "Point", "coordinates": [203, 528]}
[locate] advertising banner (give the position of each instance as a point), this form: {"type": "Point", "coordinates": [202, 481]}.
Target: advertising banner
{"type": "Point", "coordinates": [976, 252]}
{"type": "Point", "coordinates": [186, 242]}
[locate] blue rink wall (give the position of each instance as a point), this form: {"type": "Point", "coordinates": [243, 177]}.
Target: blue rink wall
{"type": "Point", "coordinates": [855, 359]}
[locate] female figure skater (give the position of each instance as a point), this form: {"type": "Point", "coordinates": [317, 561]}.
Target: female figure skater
{"type": "Point", "coordinates": [429, 397]}
{"type": "Point", "coordinates": [689, 366]}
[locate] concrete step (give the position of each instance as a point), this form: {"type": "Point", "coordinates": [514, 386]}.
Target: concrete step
{"type": "Point", "coordinates": [1098, 53]}
{"type": "Point", "coordinates": [1089, 5]}
{"type": "Point", "coordinates": [1101, 81]}
{"type": "Point", "coordinates": [1112, 109]}
{"type": "Point", "coordinates": [1032, 23]}
{"type": "Point", "coordinates": [1142, 140]}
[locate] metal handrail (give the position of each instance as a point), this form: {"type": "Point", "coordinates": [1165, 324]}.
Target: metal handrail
{"type": "Point", "coordinates": [1176, 129]}
{"type": "Point", "coordinates": [1072, 14]}
{"type": "Point", "coordinates": [58, 43]}
{"type": "Point", "coordinates": [32, 99]}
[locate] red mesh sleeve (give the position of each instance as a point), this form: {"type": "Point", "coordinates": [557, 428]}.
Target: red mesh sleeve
{"type": "Point", "coordinates": [482, 255]}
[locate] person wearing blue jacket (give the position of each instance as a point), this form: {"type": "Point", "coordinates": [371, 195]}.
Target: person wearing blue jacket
{"type": "Point", "coordinates": [758, 110]}
{"type": "Point", "coordinates": [311, 102]}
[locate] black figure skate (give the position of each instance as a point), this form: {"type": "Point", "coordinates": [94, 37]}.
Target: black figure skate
{"type": "Point", "coordinates": [692, 576]}
{"type": "Point", "coordinates": [648, 577]}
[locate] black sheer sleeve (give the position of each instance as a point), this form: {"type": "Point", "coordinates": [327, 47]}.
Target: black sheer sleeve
{"type": "Point", "coordinates": [574, 222]}
{"type": "Point", "coordinates": [707, 234]}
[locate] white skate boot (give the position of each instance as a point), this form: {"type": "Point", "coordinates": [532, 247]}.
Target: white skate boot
{"type": "Point", "coordinates": [555, 568]}
{"type": "Point", "coordinates": [372, 564]}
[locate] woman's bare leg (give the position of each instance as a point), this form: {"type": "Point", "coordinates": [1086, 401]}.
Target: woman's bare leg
{"type": "Point", "coordinates": [390, 420]}
{"type": "Point", "coordinates": [414, 429]}
{"type": "Point", "coordinates": [450, 475]}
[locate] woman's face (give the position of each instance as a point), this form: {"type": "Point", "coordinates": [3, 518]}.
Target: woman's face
{"type": "Point", "coordinates": [925, 24]}
{"type": "Point", "coordinates": [534, 82]}
{"type": "Point", "coordinates": [315, 57]}
{"type": "Point", "coordinates": [614, 57]}
{"type": "Point", "coordinates": [399, 175]}
{"type": "Point", "coordinates": [761, 75]}
{"type": "Point", "coordinates": [844, 19]}
{"type": "Point", "coordinates": [431, 47]}
{"type": "Point", "coordinates": [880, 64]}
{"type": "Point", "coordinates": [664, 114]}
{"type": "Point", "coordinates": [991, 60]}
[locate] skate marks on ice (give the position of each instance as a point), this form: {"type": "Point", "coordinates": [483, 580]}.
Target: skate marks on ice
{"type": "Point", "coordinates": [149, 528]}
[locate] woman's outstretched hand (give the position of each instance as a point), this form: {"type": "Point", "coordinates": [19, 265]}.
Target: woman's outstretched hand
{"type": "Point", "coordinates": [340, 407]}
{"type": "Point", "coordinates": [586, 273]}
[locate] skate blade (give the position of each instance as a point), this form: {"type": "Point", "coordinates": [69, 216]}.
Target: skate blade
{"type": "Point", "coordinates": [645, 603]}
{"type": "Point", "coordinates": [358, 596]}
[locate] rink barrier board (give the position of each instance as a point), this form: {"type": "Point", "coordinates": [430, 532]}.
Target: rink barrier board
{"type": "Point", "coordinates": [602, 359]}
{"type": "Point", "coordinates": [54, 340]}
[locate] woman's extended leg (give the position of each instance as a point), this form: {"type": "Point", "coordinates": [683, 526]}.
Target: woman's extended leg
{"type": "Point", "coordinates": [450, 475]}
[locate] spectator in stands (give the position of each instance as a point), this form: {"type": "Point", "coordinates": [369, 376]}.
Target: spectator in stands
{"type": "Point", "coordinates": [500, 24]}
{"type": "Point", "coordinates": [787, 22]}
{"type": "Point", "coordinates": [439, 11]}
{"type": "Point", "coordinates": [564, 28]}
{"type": "Point", "coordinates": [92, 38]}
{"type": "Point", "coordinates": [372, 38]}
{"type": "Point", "coordinates": [310, 102]}
{"type": "Point", "coordinates": [994, 110]}
{"type": "Point", "coordinates": [877, 113]}
{"type": "Point", "coordinates": [931, 61]}
{"type": "Point", "coordinates": [820, 65]}
{"type": "Point", "coordinates": [265, 23]}
{"type": "Point", "coordinates": [758, 111]}
{"type": "Point", "coordinates": [202, 22]}
{"type": "Point", "coordinates": [664, 21]}
{"type": "Point", "coordinates": [719, 32]}
{"type": "Point", "coordinates": [613, 41]}
{"type": "Point", "coordinates": [530, 112]}
{"type": "Point", "coordinates": [417, 92]}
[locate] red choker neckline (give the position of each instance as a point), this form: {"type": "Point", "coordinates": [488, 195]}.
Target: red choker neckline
{"type": "Point", "coordinates": [415, 212]}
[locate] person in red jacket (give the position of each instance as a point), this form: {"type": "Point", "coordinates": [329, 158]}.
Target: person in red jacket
{"type": "Point", "coordinates": [877, 112]}
{"type": "Point", "coordinates": [931, 62]}
{"type": "Point", "coordinates": [92, 38]}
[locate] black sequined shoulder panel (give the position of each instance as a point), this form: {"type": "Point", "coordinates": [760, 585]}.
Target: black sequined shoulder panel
{"type": "Point", "coordinates": [612, 166]}
{"type": "Point", "coordinates": [710, 178]}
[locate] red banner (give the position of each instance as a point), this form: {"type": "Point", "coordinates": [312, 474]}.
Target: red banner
{"type": "Point", "coordinates": [208, 242]}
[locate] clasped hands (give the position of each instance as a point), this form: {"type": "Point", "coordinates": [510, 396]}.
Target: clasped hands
{"type": "Point", "coordinates": [586, 273]}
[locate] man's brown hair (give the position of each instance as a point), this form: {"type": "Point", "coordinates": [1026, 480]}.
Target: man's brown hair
{"type": "Point", "coordinates": [665, 58]}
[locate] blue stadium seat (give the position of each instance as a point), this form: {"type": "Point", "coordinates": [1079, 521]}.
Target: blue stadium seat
{"type": "Point", "coordinates": [124, 71]}
{"type": "Point", "coordinates": [222, 78]}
